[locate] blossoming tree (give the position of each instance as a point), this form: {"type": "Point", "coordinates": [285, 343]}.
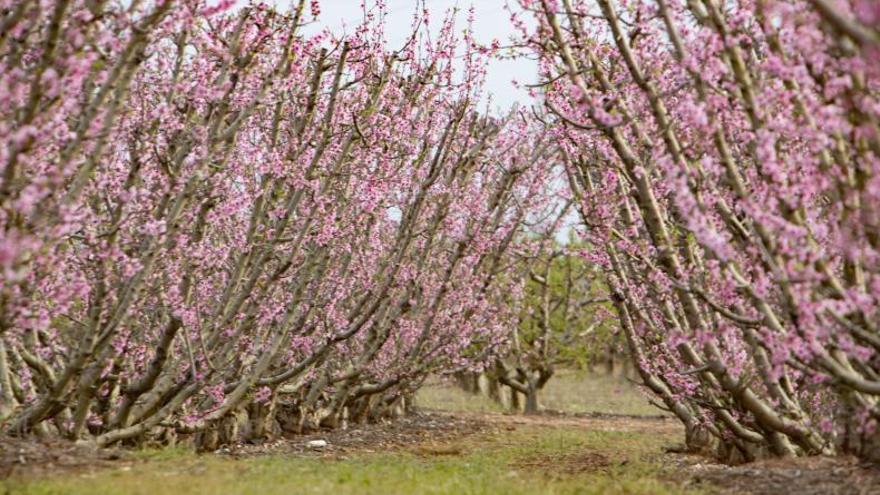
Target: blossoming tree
{"type": "Point", "coordinates": [214, 225]}
{"type": "Point", "coordinates": [726, 155]}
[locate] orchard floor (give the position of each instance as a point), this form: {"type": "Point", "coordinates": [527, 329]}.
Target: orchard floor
{"type": "Point", "coordinates": [457, 445]}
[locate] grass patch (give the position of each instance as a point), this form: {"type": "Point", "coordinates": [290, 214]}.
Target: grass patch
{"type": "Point", "coordinates": [569, 391]}
{"type": "Point", "coordinates": [527, 460]}
{"type": "Point", "coordinates": [163, 453]}
{"type": "Point", "coordinates": [582, 392]}
{"type": "Point", "coordinates": [445, 396]}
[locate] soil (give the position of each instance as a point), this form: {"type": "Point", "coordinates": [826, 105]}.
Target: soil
{"type": "Point", "coordinates": [35, 457]}
{"type": "Point", "coordinates": [422, 431]}
{"type": "Point", "coordinates": [802, 476]}
{"type": "Point", "coordinates": [431, 434]}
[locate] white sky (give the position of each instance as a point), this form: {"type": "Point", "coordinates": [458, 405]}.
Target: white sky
{"type": "Point", "coordinates": [491, 22]}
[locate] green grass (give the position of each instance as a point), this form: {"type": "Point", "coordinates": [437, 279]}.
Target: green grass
{"type": "Point", "coordinates": [444, 396]}
{"type": "Point", "coordinates": [532, 459]}
{"type": "Point", "coordinates": [568, 391]}
{"type": "Point", "coordinates": [581, 392]}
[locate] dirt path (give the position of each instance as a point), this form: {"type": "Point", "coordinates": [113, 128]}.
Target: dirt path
{"type": "Point", "coordinates": [456, 435]}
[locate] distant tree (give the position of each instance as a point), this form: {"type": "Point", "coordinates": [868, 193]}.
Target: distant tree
{"type": "Point", "coordinates": [564, 321]}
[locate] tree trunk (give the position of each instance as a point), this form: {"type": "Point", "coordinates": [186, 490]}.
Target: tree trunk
{"type": "Point", "coordinates": [531, 406]}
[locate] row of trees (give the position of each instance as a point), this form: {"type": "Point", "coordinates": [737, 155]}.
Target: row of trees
{"type": "Point", "coordinates": [724, 158]}
{"type": "Point", "coordinates": [216, 226]}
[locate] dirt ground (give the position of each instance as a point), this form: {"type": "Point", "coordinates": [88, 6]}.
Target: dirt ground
{"type": "Point", "coordinates": [35, 457]}
{"type": "Point", "coordinates": [432, 433]}
{"type": "Point", "coordinates": [805, 476]}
